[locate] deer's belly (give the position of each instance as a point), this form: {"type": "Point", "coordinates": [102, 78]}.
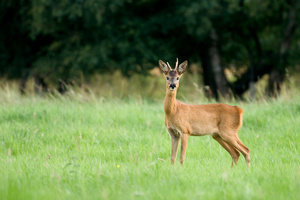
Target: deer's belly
{"type": "Point", "coordinates": [197, 129]}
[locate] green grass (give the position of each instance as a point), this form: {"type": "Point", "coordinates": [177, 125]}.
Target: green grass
{"type": "Point", "coordinates": [59, 148]}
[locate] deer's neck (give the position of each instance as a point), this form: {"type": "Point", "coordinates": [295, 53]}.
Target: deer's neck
{"type": "Point", "coordinates": [170, 102]}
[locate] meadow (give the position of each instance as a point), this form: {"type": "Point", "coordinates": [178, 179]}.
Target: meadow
{"type": "Point", "coordinates": [89, 147]}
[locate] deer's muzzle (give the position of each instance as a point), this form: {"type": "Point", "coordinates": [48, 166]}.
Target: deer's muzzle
{"type": "Point", "coordinates": [172, 86]}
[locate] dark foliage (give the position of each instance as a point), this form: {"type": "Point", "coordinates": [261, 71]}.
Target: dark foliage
{"type": "Point", "coordinates": [62, 39]}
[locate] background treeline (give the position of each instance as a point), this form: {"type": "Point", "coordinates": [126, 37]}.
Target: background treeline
{"type": "Point", "coordinates": [63, 40]}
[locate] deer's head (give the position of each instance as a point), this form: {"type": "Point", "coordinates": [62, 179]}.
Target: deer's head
{"type": "Point", "coordinates": [172, 75]}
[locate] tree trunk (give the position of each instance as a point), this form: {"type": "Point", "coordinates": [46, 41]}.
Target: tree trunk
{"type": "Point", "coordinates": [277, 74]}
{"type": "Point", "coordinates": [218, 72]}
{"type": "Point", "coordinates": [214, 78]}
{"type": "Point", "coordinates": [40, 85]}
{"type": "Point", "coordinates": [210, 89]}
{"type": "Point", "coordinates": [274, 84]}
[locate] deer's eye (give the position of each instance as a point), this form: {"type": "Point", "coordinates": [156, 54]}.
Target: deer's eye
{"type": "Point", "coordinates": [177, 78]}
{"type": "Point", "coordinates": [167, 78]}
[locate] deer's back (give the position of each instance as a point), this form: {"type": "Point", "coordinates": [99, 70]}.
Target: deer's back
{"type": "Point", "coordinates": [205, 119]}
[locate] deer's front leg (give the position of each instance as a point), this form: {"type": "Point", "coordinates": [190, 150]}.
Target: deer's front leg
{"type": "Point", "coordinates": [175, 141]}
{"type": "Point", "coordinates": [184, 143]}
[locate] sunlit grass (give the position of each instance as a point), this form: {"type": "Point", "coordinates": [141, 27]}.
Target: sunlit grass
{"type": "Point", "coordinates": [87, 146]}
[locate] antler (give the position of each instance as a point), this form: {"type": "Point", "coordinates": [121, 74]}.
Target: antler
{"type": "Point", "coordinates": [169, 66]}
{"type": "Point", "coordinates": [176, 64]}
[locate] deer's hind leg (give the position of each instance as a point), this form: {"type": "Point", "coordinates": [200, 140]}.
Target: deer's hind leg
{"type": "Point", "coordinates": [230, 149]}
{"type": "Point", "coordinates": [233, 140]}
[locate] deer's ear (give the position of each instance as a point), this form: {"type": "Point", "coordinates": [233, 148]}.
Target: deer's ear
{"type": "Point", "coordinates": [182, 67]}
{"type": "Point", "coordinates": [163, 67]}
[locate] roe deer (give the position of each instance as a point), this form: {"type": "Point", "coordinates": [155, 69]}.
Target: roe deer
{"type": "Point", "coordinates": [221, 121]}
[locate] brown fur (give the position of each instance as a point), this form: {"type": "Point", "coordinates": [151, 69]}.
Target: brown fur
{"type": "Point", "coordinates": [182, 120]}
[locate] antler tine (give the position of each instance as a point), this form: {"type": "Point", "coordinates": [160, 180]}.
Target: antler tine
{"type": "Point", "coordinates": [169, 66]}
{"type": "Point", "coordinates": [176, 64]}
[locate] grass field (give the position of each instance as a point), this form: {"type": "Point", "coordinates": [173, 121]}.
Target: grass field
{"type": "Point", "coordinates": [65, 148]}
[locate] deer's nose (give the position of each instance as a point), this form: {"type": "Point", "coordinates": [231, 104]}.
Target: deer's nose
{"type": "Point", "coordinates": [172, 86]}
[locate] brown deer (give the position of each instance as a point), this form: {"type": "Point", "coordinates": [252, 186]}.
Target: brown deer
{"type": "Point", "coordinates": [182, 120]}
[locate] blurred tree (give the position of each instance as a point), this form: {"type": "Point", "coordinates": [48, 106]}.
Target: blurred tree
{"type": "Point", "coordinates": [244, 34]}
{"type": "Point", "coordinates": [265, 32]}
{"type": "Point", "coordinates": [63, 39]}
